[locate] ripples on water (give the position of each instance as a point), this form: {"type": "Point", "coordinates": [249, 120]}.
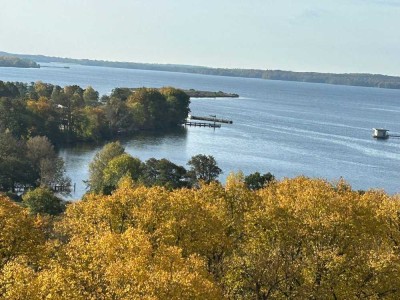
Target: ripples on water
{"type": "Point", "coordinates": [287, 128]}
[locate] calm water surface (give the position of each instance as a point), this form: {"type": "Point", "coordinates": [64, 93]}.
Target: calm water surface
{"type": "Point", "coordinates": [287, 128]}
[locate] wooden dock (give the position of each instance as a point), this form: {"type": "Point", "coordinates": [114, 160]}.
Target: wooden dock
{"type": "Point", "coordinates": [64, 188]}
{"type": "Point", "coordinates": [211, 119]}
{"type": "Point", "coordinates": [202, 124]}
{"type": "Point", "coordinates": [21, 189]}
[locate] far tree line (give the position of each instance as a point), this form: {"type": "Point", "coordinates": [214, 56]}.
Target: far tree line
{"type": "Point", "coordinates": [351, 79]}
{"type": "Point", "coordinates": [72, 114]}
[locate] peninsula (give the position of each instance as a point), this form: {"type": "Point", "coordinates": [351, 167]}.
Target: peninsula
{"type": "Point", "coordinates": [206, 94]}
{"type": "Point", "coordinates": [16, 62]}
{"type": "Point", "coordinates": [192, 93]}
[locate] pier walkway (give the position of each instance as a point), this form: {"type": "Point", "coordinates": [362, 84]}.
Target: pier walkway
{"type": "Point", "coordinates": [211, 119]}
{"type": "Point", "coordinates": [200, 124]}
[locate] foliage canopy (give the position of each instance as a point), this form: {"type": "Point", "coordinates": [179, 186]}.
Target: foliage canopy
{"type": "Point", "coordinates": [298, 238]}
{"type": "Point", "coordinates": [72, 114]}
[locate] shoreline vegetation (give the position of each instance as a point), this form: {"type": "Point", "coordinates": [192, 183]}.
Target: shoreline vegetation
{"type": "Point", "coordinates": [172, 233]}
{"type": "Point", "coordinates": [71, 114]}
{"type": "Point", "coordinates": [16, 62]}
{"type": "Point", "coordinates": [350, 79]}
{"type": "Point", "coordinates": [192, 93]}
{"type": "Point", "coordinates": [207, 94]}
{"type": "Point", "coordinates": [297, 238]}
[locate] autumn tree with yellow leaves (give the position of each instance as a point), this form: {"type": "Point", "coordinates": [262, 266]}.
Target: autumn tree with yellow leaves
{"type": "Point", "coordinates": [297, 238]}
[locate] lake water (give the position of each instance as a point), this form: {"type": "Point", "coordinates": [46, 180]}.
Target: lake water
{"type": "Point", "coordinates": [286, 128]}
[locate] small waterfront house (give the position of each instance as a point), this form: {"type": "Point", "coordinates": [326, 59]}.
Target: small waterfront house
{"type": "Point", "coordinates": [380, 133]}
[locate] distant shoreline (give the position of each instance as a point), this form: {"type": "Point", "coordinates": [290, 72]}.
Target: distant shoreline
{"type": "Point", "coordinates": [348, 79]}
{"type": "Point", "coordinates": [204, 94]}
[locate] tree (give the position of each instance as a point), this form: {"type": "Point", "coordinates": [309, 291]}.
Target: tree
{"type": "Point", "coordinates": [153, 108]}
{"type": "Point", "coordinates": [99, 164]}
{"type": "Point", "coordinates": [20, 233]}
{"type": "Point", "coordinates": [303, 238]}
{"type": "Point", "coordinates": [15, 168]}
{"type": "Point", "coordinates": [58, 96]}
{"type": "Point", "coordinates": [118, 116]}
{"type": "Point", "coordinates": [43, 89]}
{"type": "Point", "coordinates": [203, 167]}
{"type": "Point", "coordinates": [119, 167]}
{"type": "Point", "coordinates": [71, 100]}
{"type": "Point", "coordinates": [39, 148]}
{"type": "Point", "coordinates": [14, 117]}
{"type": "Point", "coordinates": [71, 90]}
{"type": "Point", "coordinates": [90, 96]}
{"type": "Point", "coordinates": [196, 221]}
{"type": "Point", "coordinates": [256, 181]}
{"type": "Point", "coordinates": [49, 168]}
{"type": "Point", "coordinates": [9, 89]}
{"type": "Point", "coordinates": [178, 105]}
{"type": "Point", "coordinates": [93, 125]}
{"type": "Point", "coordinates": [163, 172]}
{"type": "Point", "coordinates": [121, 93]}
{"type": "Point", "coordinates": [46, 118]}
{"type": "Point", "coordinates": [43, 201]}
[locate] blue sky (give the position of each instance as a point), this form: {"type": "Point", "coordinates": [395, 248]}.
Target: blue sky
{"type": "Point", "coordinates": [299, 35]}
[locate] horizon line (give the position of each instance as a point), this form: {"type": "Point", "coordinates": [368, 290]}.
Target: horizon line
{"type": "Point", "coordinates": [198, 66]}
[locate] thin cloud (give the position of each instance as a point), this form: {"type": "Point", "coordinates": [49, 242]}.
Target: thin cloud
{"type": "Point", "coordinates": [311, 14]}
{"type": "Point", "coordinates": [308, 15]}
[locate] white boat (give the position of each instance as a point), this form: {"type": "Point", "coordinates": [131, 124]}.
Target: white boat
{"type": "Point", "coordinates": [380, 133]}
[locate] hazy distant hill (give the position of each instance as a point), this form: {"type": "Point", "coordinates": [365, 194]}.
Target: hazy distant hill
{"type": "Point", "coordinates": [353, 79]}
{"type": "Point", "coordinates": [17, 62]}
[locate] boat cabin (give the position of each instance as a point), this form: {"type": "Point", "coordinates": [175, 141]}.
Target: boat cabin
{"type": "Point", "coordinates": [380, 133]}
